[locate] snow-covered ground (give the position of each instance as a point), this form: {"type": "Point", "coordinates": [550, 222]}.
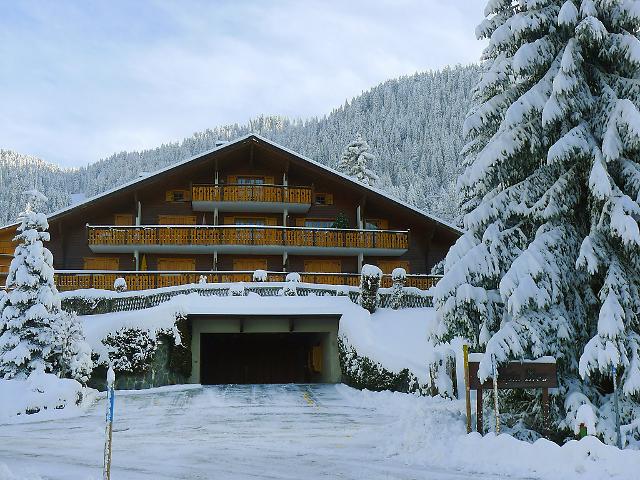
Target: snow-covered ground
{"type": "Point", "coordinates": [289, 432]}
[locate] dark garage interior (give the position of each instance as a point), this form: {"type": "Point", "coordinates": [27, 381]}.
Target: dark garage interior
{"type": "Point", "coordinates": [252, 358]}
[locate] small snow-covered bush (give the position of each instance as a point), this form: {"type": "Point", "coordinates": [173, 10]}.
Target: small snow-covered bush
{"type": "Point", "coordinates": [70, 350]}
{"type": "Point", "coordinates": [293, 277]}
{"type": "Point", "coordinates": [260, 276]}
{"type": "Point", "coordinates": [369, 285]}
{"type": "Point", "coordinates": [39, 391]}
{"type": "Point", "coordinates": [398, 276]}
{"type": "Point", "coordinates": [202, 280]}
{"type": "Point", "coordinates": [130, 350]}
{"type": "Point", "coordinates": [342, 291]}
{"type": "Point", "coordinates": [120, 285]}
{"type": "Point", "coordinates": [237, 290]}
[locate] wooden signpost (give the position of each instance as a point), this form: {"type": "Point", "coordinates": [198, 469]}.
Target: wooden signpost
{"type": "Point", "coordinates": [540, 373]}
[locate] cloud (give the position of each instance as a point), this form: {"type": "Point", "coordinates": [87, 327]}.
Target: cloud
{"type": "Point", "coordinates": [81, 80]}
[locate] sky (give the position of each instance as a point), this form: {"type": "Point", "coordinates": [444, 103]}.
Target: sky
{"type": "Point", "coordinates": [80, 80]}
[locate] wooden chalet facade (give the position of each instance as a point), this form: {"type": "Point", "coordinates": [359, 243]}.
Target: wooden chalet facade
{"type": "Point", "coordinates": [249, 204]}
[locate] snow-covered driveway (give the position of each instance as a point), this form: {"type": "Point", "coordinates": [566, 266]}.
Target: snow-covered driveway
{"type": "Point", "coordinates": [287, 432]}
{"type": "Point", "coordinates": [226, 432]}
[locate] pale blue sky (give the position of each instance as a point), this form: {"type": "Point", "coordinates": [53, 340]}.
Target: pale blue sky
{"type": "Point", "coordinates": [80, 80]}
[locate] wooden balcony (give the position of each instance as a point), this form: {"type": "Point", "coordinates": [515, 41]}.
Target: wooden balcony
{"type": "Point", "coordinates": [79, 279]}
{"type": "Point", "coordinates": [251, 198]}
{"type": "Point", "coordinates": [204, 239]}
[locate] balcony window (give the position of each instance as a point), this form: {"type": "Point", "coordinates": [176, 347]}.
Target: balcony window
{"type": "Point", "coordinates": [376, 224]}
{"type": "Point", "coordinates": [250, 221]}
{"type": "Point", "coordinates": [323, 199]}
{"type": "Point", "coordinates": [319, 223]}
{"type": "Point", "coordinates": [251, 180]}
{"type": "Point", "coordinates": [178, 196]}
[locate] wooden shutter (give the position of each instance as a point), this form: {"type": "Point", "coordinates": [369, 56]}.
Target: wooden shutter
{"type": "Point", "coordinates": [329, 198]}
{"type": "Point", "coordinates": [176, 219]}
{"type": "Point", "coordinates": [300, 221]}
{"type": "Point", "coordinates": [101, 263]}
{"type": "Point", "coordinates": [249, 264]}
{"type": "Point", "coordinates": [387, 266]}
{"type": "Point", "coordinates": [383, 224]}
{"type": "Point", "coordinates": [323, 266]}
{"type": "Point", "coordinates": [177, 264]}
{"type": "Point", "coordinates": [269, 180]}
{"type": "Point", "coordinates": [123, 219]}
{"type": "Point", "coordinates": [272, 221]}
{"type": "Point", "coordinates": [232, 179]}
{"type": "Point", "coordinates": [229, 220]}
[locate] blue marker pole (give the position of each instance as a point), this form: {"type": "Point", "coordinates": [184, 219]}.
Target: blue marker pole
{"type": "Point", "coordinates": [111, 378]}
{"type": "Point", "coordinates": [616, 406]}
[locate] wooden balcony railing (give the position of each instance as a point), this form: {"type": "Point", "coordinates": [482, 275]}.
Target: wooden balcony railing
{"type": "Point", "coordinates": [79, 279]}
{"type": "Point", "coordinates": [251, 193]}
{"type": "Point", "coordinates": [247, 235]}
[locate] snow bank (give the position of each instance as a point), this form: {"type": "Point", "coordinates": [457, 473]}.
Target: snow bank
{"type": "Point", "coordinates": [395, 338]}
{"type": "Point", "coordinates": [6, 474]}
{"type": "Point", "coordinates": [431, 431]}
{"type": "Point", "coordinates": [41, 393]}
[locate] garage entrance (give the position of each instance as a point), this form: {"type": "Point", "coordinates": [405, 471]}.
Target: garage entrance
{"type": "Point", "coordinates": [245, 349]}
{"type": "Point", "coordinates": [260, 358]}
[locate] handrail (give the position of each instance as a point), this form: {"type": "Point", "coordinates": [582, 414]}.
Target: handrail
{"type": "Point", "coordinates": [247, 235]}
{"type": "Point", "coordinates": [143, 280]}
{"type": "Point", "coordinates": [251, 193]}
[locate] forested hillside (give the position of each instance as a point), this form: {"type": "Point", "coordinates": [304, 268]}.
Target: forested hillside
{"type": "Point", "coordinates": [413, 125]}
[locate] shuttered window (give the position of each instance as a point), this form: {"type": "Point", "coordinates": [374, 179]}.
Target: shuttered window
{"type": "Point", "coordinates": [247, 220]}
{"type": "Point", "coordinates": [249, 264]}
{"type": "Point", "coordinates": [376, 224]}
{"type": "Point", "coordinates": [323, 199]}
{"type": "Point", "coordinates": [123, 219]}
{"type": "Point", "coordinates": [319, 222]}
{"type": "Point", "coordinates": [176, 219]}
{"type": "Point", "coordinates": [101, 263]}
{"type": "Point", "coordinates": [177, 264]}
{"type": "Point", "coordinates": [178, 195]}
{"type": "Point", "coordinates": [387, 266]}
{"type": "Point", "coordinates": [323, 266]}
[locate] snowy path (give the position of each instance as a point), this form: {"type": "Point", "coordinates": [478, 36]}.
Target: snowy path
{"type": "Point", "coordinates": [228, 432]}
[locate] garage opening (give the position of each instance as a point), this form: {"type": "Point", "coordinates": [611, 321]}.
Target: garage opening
{"type": "Point", "coordinates": [245, 358]}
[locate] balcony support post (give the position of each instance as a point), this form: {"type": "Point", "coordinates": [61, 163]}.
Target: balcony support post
{"type": "Point", "coordinates": [359, 217]}
{"type": "Point", "coordinates": [215, 216]}
{"type": "Point", "coordinates": [136, 256]}
{"type": "Point", "coordinates": [285, 259]}
{"type": "Point", "coordinates": [139, 214]}
{"type": "Point", "coordinates": [215, 260]}
{"type": "Point", "coordinates": [285, 214]}
{"type": "Point", "coordinates": [360, 261]}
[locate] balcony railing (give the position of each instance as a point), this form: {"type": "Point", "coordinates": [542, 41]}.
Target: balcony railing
{"type": "Point", "coordinates": [251, 193]}
{"type": "Point", "coordinates": [101, 279]}
{"type": "Point", "coordinates": [108, 237]}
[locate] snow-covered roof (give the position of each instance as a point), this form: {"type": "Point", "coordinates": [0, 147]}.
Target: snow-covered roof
{"type": "Point", "coordinates": [227, 145]}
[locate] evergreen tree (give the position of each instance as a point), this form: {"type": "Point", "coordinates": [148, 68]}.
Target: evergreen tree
{"type": "Point", "coordinates": [71, 354]}
{"type": "Point", "coordinates": [32, 303]}
{"type": "Point", "coordinates": [549, 264]}
{"type": "Point", "coordinates": [356, 160]}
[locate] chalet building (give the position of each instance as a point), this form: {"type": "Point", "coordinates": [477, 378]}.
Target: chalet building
{"type": "Point", "coordinates": [246, 205]}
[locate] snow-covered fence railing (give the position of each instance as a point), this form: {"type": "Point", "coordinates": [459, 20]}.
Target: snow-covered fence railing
{"type": "Point", "coordinates": [67, 280]}
{"type": "Point", "coordinates": [92, 302]}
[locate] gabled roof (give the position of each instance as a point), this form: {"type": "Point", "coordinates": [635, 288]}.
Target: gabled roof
{"type": "Point", "coordinates": [252, 136]}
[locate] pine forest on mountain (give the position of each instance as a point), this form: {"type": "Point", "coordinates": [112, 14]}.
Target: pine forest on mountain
{"type": "Point", "coordinates": [412, 124]}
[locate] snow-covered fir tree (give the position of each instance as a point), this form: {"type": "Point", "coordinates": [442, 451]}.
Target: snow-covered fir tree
{"type": "Point", "coordinates": [32, 303]}
{"type": "Point", "coordinates": [356, 161]}
{"type": "Point", "coordinates": [71, 354]}
{"type": "Point", "coordinates": [549, 261]}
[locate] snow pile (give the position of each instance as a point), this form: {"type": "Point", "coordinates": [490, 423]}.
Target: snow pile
{"type": "Point", "coordinates": [6, 474]}
{"type": "Point", "coordinates": [39, 392]}
{"type": "Point", "coordinates": [397, 339]}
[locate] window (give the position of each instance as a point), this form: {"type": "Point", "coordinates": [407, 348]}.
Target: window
{"type": "Point", "coordinates": [176, 219]}
{"type": "Point", "coordinates": [123, 219]}
{"type": "Point", "coordinates": [251, 180]}
{"type": "Point", "coordinates": [101, 263]}
{"type": "Point", "coordinates": [4, 265]}
{"type": "Point", "coordinates": [250, 221]}
{"type": "Point", "coordinates": [323, 199]}
{"type": "Point", "coordinates": [318, 222]}
{"type": "Point", "coordinates": [376, 224]}
{"type": "Point", "coordinates": [178, 196]}
{"type": "Point", "coordinates": [177, 264]}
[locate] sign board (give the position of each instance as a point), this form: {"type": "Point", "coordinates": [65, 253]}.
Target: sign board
{"type": "Point", "coordinates": [517, 374]}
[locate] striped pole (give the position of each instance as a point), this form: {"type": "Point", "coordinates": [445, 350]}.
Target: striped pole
{"type": "Point", "coordinates": [111, 378]}
{"type": "Point", "coordinates": [495, 396]}
{"type": "Point", "coordinates": [467, 386]}
{"type": "Point", "coordinates": [616, 407]}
